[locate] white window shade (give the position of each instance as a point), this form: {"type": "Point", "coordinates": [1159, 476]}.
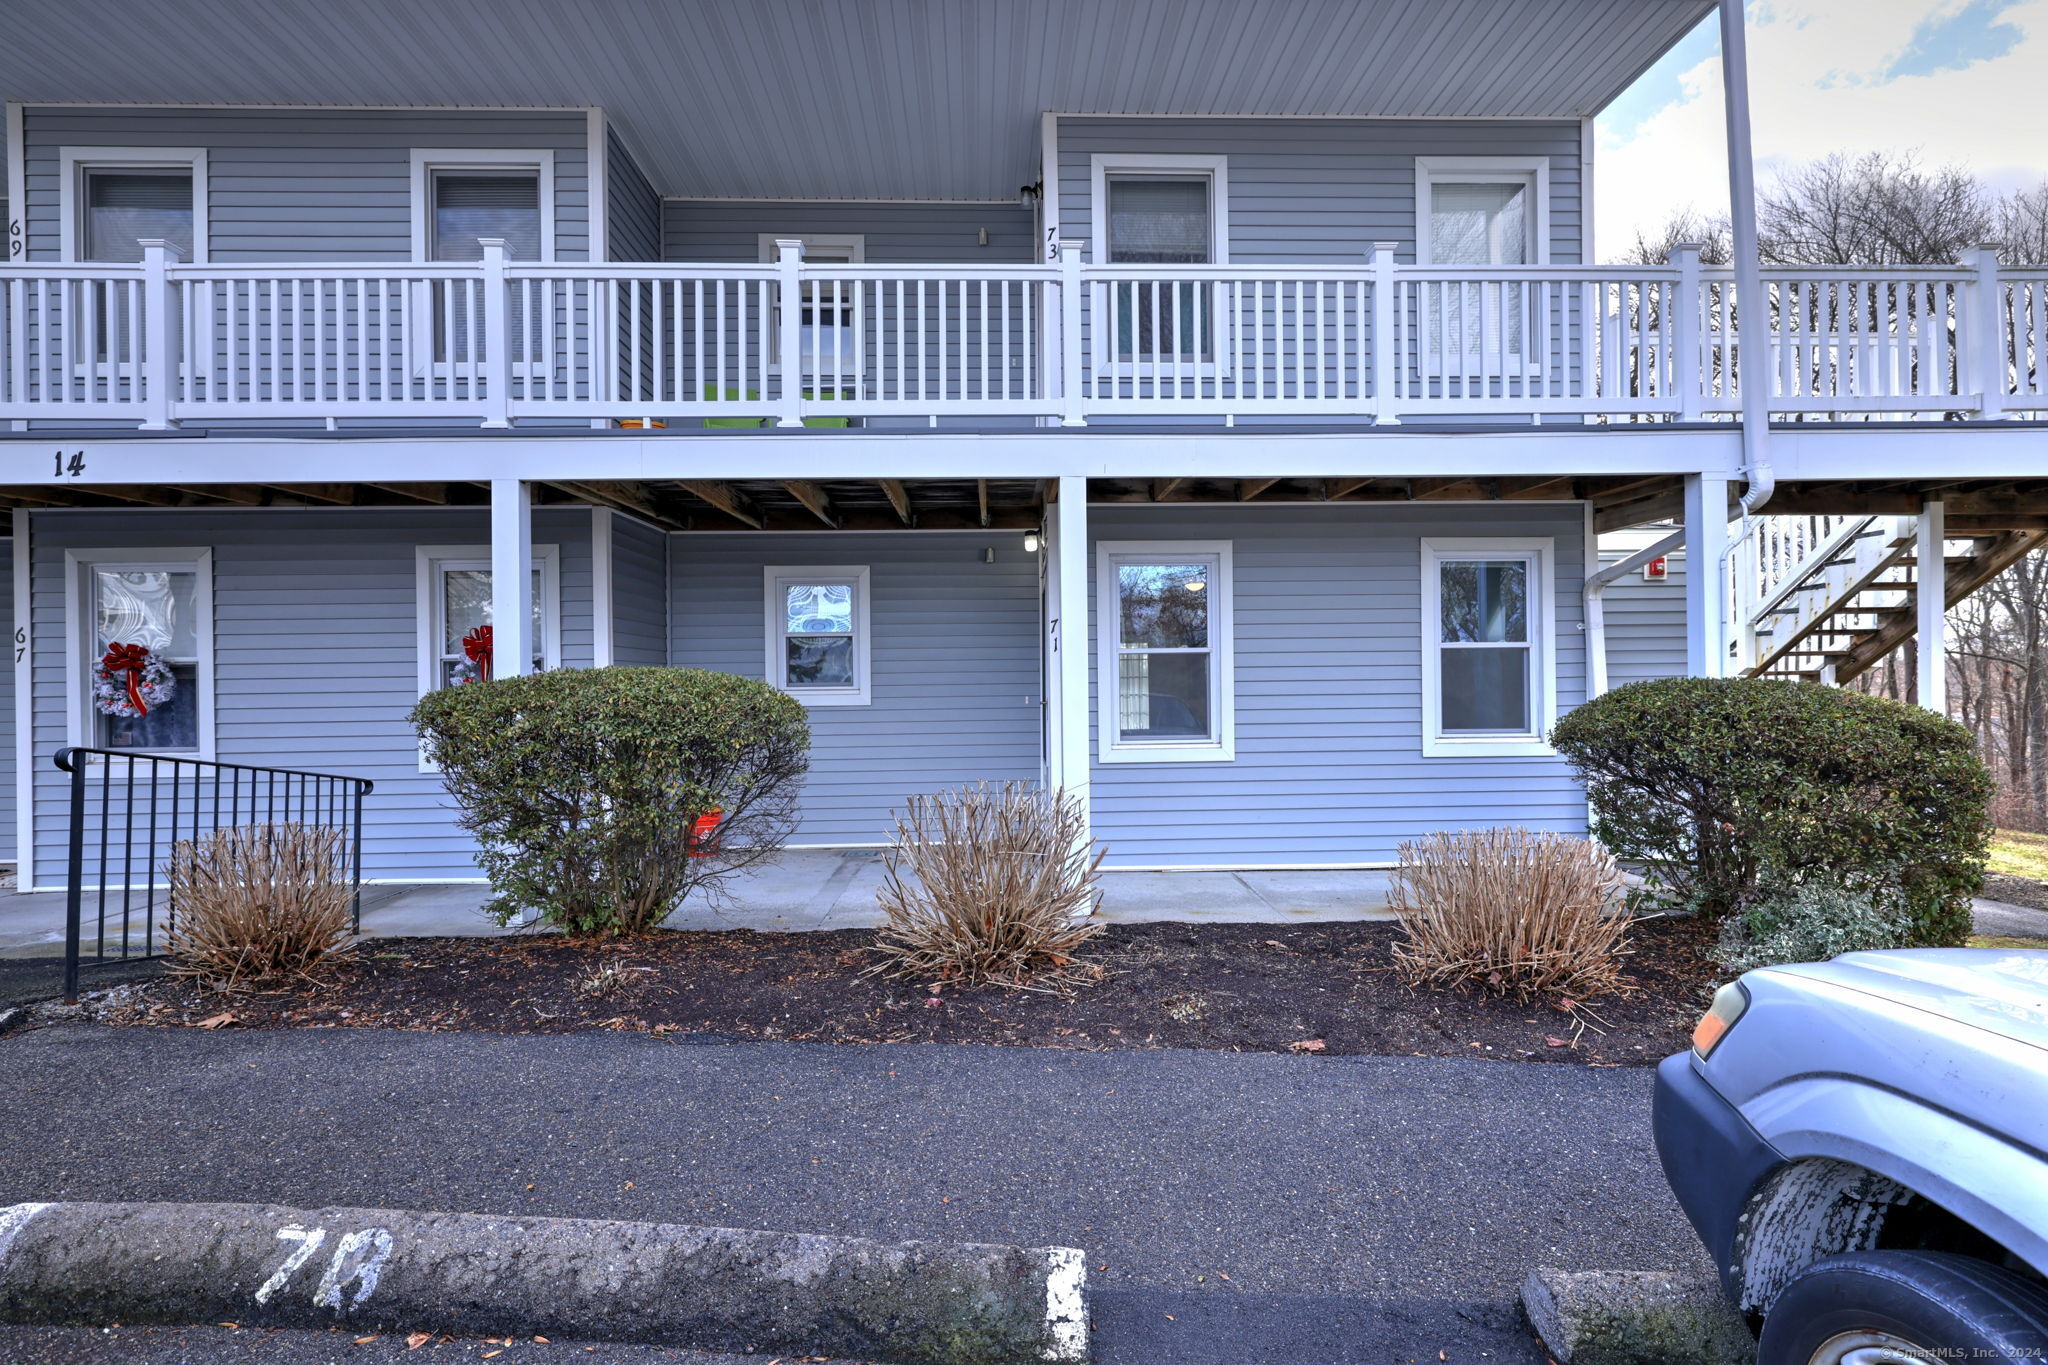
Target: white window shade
{"type": "Point", "coordinates": [124, 208]}
{"type": "Point", "coordinates": [1479, 224]}
{"type": "Point", "coordinates": [1158, 221]}
{"type": "Point", "coordinates": [470, 206]}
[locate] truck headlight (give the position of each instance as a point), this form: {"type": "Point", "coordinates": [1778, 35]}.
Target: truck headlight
{"type": "Point", "coordinates": [1729, 1003]}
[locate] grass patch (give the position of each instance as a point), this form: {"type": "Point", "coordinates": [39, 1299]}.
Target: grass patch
{"type": "Point", "coordinates": [2006, 941]}
{"type": "Point", "coordinates": [2014, 854]}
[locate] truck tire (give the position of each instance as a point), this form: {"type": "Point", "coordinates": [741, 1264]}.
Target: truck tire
{"type": "Point", "coordinates": [1878, 1307]}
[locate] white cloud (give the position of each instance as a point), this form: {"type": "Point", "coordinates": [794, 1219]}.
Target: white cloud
{"type": "Point", "coordinates": [1818, 85]}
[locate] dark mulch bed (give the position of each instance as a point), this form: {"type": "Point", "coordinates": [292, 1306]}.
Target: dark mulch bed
{"type": "Point", "coordinates": [1238, 987]}
{"type": "Point", "coordinates": [2016, 890]}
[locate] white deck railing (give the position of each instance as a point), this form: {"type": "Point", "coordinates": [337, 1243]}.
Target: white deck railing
{"type": "Point", "coordinates": [161, 342]}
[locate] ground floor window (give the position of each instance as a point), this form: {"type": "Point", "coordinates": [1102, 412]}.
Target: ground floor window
{"type": "Point", "coordinates": [817, 633]}
{"type": "Point", "coordinates": [143, 648]}
{"type": "Point", "coordinates": [455, 614]}
{"type": "Point", "coordinates": [1489, 682]}
{"type": "Point", "coordinates": [1165, 664]}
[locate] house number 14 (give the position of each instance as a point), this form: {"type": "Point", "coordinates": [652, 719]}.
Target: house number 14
{"type": "Point", "coordinates": [72, 468]}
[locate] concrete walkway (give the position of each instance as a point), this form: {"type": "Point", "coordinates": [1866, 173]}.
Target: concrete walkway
{"type": "Point", "coordinates": [825, 889]}
{"type": "Point", "coordinates": [817, 889]}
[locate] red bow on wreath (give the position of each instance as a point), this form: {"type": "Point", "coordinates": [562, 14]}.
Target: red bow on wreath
{"type": "Point", "coordinates": [132, 660]}
{"type": "Point", "coordinates": [476, 645]}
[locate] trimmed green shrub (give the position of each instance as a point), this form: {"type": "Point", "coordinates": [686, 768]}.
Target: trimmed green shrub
{"type": "Point", "coordinates": [584, 786]}
{"type": "Point", "coordinates": [1813, 923]}
{"type": "Point", "coordinates": [1724, 789]}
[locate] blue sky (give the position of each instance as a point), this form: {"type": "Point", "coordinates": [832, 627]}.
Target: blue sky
{"type": "Point", "coordinates": [1951, 80]}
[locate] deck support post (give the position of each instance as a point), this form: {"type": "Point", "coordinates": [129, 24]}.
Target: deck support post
{"type": "Point", "coordinates": [1073, 393]}
{"type": "Point", "coordinates": [497, 344]}
{"type": "Point", "coordinates": [511, 577]}
{"type": "Point", "coordinates": [789, 330]}
{"type": "Point", "coordinates": [1930, 574]}
{"type": "Point", "coordinates": [1385, 364]}
{"type": "Point", "coordinates": [161, 330]}
{"type": "Point", "coordinates": [1706, 575]}
{"type": "Point", "coordinates": [1066, 641]}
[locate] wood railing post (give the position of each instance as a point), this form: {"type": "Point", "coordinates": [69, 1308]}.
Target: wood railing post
{"type": "Point", "coordinates": [496, 368]}
{"type": "Point", "coordinates": [1688, 373]}
{"type": "Point", "coordinates": [1073, 407]}
{"type": "Point", "coordinates": [789, 331]}
{"type": "Point", "coordinates": [1384, 360]}
{"type": "Point", "coordinates": [156, 369]}
{"type": "Point", "coordinates": [1983, 331]}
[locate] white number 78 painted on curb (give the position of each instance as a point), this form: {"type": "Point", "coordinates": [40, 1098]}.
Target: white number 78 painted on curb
{"type": "Point", "coordinates": [358, 1257]}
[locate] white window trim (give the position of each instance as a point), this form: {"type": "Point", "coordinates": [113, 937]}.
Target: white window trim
{"type": "Point", "coordinates": [78, 642]}
{"type": "Point", "coordinates": [776, 658]}
{"type": "Point", "coordinates": [1222, 748]}
{"type": "Point", "coordinates": [1540, 553]}
{"type": "Point", "coordinates": [1103, 165]}
{"type": "Point", "coordinates": [77, 161]}
{"type": "Point", "coordinates": [427, 160]}
{"type": "Point", "coordinates": [854, 243]}
{"type": "Point", "coordinates": [1485, 170]}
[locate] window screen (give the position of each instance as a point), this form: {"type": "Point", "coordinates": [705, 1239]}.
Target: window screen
{"type": "Point", "coordinates": [469, 206]}
{"type": "Point", "coordinates": [124, 207]}
{"type": "Point", "coordinates": [1479, 224]}
{"type": "Point", "coordinates": [1156, 221]}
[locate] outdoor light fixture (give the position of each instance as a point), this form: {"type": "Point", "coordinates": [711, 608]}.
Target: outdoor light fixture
{"type": "Point", "coordinates": [1031, 542]}
{"type": "Point", "coordinates": [988, 554]}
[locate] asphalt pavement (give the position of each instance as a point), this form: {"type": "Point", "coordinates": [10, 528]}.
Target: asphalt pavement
{"type": "Point", "coordinates": [1236, 1208]}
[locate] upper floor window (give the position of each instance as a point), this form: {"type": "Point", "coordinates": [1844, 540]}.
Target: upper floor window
{"type": "Point", "coordinates": [472, 205]}
{"type": "Point", "coordinates": [1489, 672]}
{"type": "Point", "coordinates": [1161, 210]}
{"type": "Point", "coordinates": [462, 195]}
{"type": "Point", "coordinates": [114, 199]}
{"type": "Point", "coordinates": [817, 633]}
{"type": "Point", "coordinates": [829, 313]}
{"type": "Point", "coordinates": [1481, 211]}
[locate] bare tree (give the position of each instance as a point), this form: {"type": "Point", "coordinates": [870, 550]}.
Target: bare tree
{"type": "Point", "coordinates": [1711, 233]}
{"type": "Point", "coordinates": [2023, 226]}
{"type": "Point", "coordinates": [1875, 209]}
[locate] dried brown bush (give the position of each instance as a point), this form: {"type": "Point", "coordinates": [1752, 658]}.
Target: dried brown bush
{"type": "Point", "coordinates": [1518, 913]}
{"type": "Point", "coordinates": [253, 902]}
{"type": "Point", "coordinates": [988, 884]}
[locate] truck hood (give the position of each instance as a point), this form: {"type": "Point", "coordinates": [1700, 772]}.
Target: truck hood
{"type": "Point", "coordinates": [2002, 990]}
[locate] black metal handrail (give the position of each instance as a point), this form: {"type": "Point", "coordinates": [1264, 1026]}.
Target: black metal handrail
{"type": "Point", "coordinates": [157, 800]}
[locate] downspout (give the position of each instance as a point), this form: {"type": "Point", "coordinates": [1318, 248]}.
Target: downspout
{"type": "Point", "coordinates": [1596, 611]}
{"type": "Point", "coordinates": [1753, 318]}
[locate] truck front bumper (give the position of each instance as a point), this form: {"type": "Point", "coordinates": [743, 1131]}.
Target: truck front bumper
{"type": "Point", "coordinates": [1712, 1157]}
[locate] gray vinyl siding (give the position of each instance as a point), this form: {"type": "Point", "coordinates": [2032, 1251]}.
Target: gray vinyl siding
{"type": "Point", "coordinates": [633, 209]}
{"type": "Point", "coordinates": [1645, 622]}
{"type": "Point", "coordinates": [639, 593]}
{"type": "Point", "coordinates": [1328, 640]}
{"type": "Point", "coordinates": [307, 184]}
{"type": "Point", "coordinates": [942, 234]}
{"type": "Point", "coordinates": [956, 687]}
{"type": "Point", "coordinates": [7, 795]}
{"type": "Point", "coordinates": [1320, 191]}
{"type": "Point", "coordinates": [315, 653]}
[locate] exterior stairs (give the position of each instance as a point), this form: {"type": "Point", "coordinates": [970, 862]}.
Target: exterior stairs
{"type": "Point", "coordinates": [1838, 594]}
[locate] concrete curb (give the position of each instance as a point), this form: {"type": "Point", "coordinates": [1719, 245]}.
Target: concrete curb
{"type": "Point", "coordinates": [1635, 1317]}
{"type": "Point", "coordinates": [909, 1303]}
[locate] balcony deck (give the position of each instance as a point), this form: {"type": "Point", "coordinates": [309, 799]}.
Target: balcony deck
{"type": "Point", "coordinates": [159, 343]}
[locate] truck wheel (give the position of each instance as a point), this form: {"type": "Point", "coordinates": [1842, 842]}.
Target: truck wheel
{"type": "Point", "coordinates": [1904, 1308]}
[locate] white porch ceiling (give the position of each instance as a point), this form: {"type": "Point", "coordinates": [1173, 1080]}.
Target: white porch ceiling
{"type": "Point", "coordinates": [874, 99]}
